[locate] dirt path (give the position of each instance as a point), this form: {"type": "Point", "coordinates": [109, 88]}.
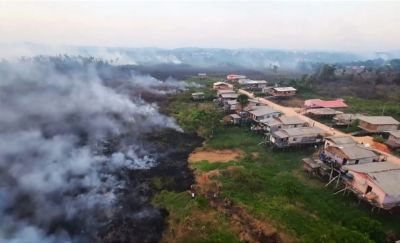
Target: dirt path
{"type": "Point", "coordinates": [213, 156]}
{"type": "Point", "coordinates": [290, 111]}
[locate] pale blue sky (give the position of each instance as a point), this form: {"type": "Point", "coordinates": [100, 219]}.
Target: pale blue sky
{"type": "Point", "coordinates": [339, 25]}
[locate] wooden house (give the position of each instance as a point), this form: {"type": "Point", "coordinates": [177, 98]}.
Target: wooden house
{"type": "Point", "coordinates": [323, 113]}
{"type": "Point", "coordinates": [234, 119]}
{"type": "Point", "coordinates": [378, 124]}
{"type": "Point", "coordinates": [349, 154]}
{"type": "Point", "coordinates": [283, 122]}
{"type": "Point", "coordinates": [394, 139]}
{"type": "Point", "coordinates": [253, 84]}
{"type": "Point", "coordinates": [223, 98]}
{"type": "Point", "coordinates": [281, 91]}
{"type": "Point", "coordinates": [345, 119]}
{"type": "Point", "coordinates": [231, 106]}
{"type": "Point", "coordinates": [198, 96]}
{"type": "Point", "coordinates": [376, 183]}
{"type": "Point", "coordinates": [222, 85]}
{"type": "Point", "coordinates": [299, 136]}
{"type": "Point", "coordinates": [258, 113]}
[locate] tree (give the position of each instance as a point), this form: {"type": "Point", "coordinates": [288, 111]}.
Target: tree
{"type": "Point", "coordinates": [243, 101]}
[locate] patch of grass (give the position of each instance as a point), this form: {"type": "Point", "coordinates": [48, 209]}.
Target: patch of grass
{"type": "Point", "coordinates": [373, 107]}
{"type": "Point", "coordinates": [206, 166]}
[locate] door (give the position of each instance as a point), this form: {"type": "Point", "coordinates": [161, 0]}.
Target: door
{"type": "Point", "coordinates": [369, 189]}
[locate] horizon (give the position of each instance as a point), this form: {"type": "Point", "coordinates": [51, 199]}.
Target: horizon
{"type": "Point", "coordinates": [329, 26]}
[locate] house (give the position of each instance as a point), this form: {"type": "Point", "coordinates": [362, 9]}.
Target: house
{"type": "Point", "coordinates": [376, 183]}
{"type": "Point", "coordinates": [299, 136]}
{"type": "Point", "coordinates": [345, 119]}
{"type": "Point", "coordinates": [339, 141]}
{"type": "Point", "coordinates": [376, 124]}
{"type": "Point", "coordinates": [349, 154]}
{"type": "Point", "coordinates": [202, 75]}
{"type": "Point", "coordinates": [317, 103]}
{"type": "Point", "coordinates": [258, 113]}
{"type": "Point", "coordinates": [224, 97]}
{"type": "Point", "coordinates": [282, 122]}
{"type": "Point", "coordinates": [234, 77]}
{"type": "Point", "coordinates": [234, 119]}
{"type": "Point", "coordinates": [394, 139]}
{"type": "Point", "coordinates": [281, 91]}
{"type": "Point", "coordinates": [230, 105]}
{"type": "Point", "coordinates": [198, 96]}
{"type": "Point", "coordinates": [253, 84]}
{"type": "Point", "coordinates": [225, 91]}
{"type": "Point", "coordinates": [323, 112]}
{"type": "Point", "coordinates": [222, 85]}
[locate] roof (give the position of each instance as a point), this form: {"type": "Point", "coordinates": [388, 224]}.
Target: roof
{"type": "Point", "coordinates": [262, 110]}
{"type": "Point", "coordinates": [289, 120]}
{"type": "Point", "coordinates": [231, 102]}
{"type": "Point", "coordinates": [198, 93]}
{"type": "Point", "coordinates": [385, 174]}
{"type": "Point", "coordinates": [324, 111]}
{"type": "Point", "coordinates": [395, 133]}
{"type": "Point", "coordinates": [229, 95]}
{"type": "Point", "coordinates": [226, 91]}
{"type": "Point", "coordinates": [356, 151]}
{"type": "Point", "coordinates": [314, 103]}
{"type": "Point", "coordinates": [380, 120]}
{"type": "Point", "coordinates": [299, 131]}
{"type": "Point", "coordinates": [219, 83]}
{"type": "Point", "coordinates": [342, 140]}
{"type": "Point", "coordinates": [235, 116]}
{"type": "Point", "coordinates": [249, 81]}
{"type": "Point", "coordinates": [347, 116]}
{"type": "Point", "coordinates": [271, 121]}
{"type": "Point", "coordinates": [284, 89]}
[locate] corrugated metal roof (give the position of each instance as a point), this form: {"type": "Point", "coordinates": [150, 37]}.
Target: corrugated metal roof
{"type": "Point", "coordinates": [323, 111]}
{"type": "Point", "coordinates": [342, 140]}
{"type": "Point", "coordinates": [395, 133]}
{"type": "Point", "coordinates": [302, 131]}
{"type": "Point", "coordinates": [385, 174]}
{"type": "Point", "coordinates": [290, 120]}
{"type": "Point", "coordinates": [262, 110]}
{"type": "Point", "coordinates": [284, 89]}
{"type": "Point", "coordinates": [229, 95]}
{"type": "Point", "coordinates": [379, 120]}
{"type": "Point", "coordinates": [339, 103]}
{"type": "Point", "coordinates": [357, 152]}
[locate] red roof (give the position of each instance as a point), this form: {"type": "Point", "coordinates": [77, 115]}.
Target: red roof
{"type": "Point", "coordinates": [317, 103]}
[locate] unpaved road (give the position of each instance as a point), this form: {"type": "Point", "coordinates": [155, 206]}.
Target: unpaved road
{"type": "Point", "coordinates": [290, 111]}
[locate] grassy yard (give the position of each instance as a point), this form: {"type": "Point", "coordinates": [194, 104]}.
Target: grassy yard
{"type": "Point", "coordinates": [373, 107]}
{"type": "Point", "coordinates": [272, 187]}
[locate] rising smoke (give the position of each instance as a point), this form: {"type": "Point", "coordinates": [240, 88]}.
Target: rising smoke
{"type": "Point", "coordinates": [57, 164]}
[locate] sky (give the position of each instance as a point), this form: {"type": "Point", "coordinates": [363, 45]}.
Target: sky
{"type": "Point", "coordinates": [315, 25]}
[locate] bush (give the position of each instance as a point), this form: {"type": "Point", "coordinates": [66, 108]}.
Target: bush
{"type": "Point", "coordinates": [379, 139]}
{"type": "Point", "coordinates": [370, 227]}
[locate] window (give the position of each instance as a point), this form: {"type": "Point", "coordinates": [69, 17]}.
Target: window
{"type": "Point", "coordinates": [294, 139]}
{"type": "Point", "coordinates": [369, 189]}
{"type": "Point", "coordinates": [357, 161]}
{"type": "Point", "coordinates": [344, 161]}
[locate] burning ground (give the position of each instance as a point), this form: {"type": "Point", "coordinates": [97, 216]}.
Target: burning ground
{"type": "Point", "coordinates": [83, 150]}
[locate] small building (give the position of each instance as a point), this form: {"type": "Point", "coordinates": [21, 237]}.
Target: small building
{"type": "Point", "coordinates": [258, 113]}
{"type": "Point", "coordinates": [299, 136]}
{"type": "Point", "coordinates": [376, 183]}
{"type": "Point", "coordinates": [234, 119]}
{"type": "Point", "coordinates": [224, 97]}
{"type": "Point", "coordinates": [283, 122]}
{"type": "Point", "coordinates": [323, 112]}
{"type": "Point", "coordinates": [253, 84]}
{"type": "Point", "coordinates": [230, 106]}
{"type": "Point", "coordinates": [393, 140]}
{"type": "Point", "coordinates": [339, 141]}
{"type": "Point", "coordinates": [198, 96]}
{"type": "Point", "coordinates": [377, 124]}
{"type": "Point", "coordinates": [222, 85]}
{"type": "Point", "coordinates": [225, 91]}
{"type": "Point", "coordinates": [345, 119]}
{"type": "Point", "coordinates": [318, 103]}
{"type": "Point", "coordinates": [202, 75]}
{"type": "Point", "coordinates": [349, 154]}
{"type": "Point", "coordinates": [281, 91]}
{"type": "Point", "coordinates": [234, 77]}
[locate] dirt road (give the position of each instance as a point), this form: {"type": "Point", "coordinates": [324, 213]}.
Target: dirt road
{"type": "Point", "coordinates": [290, 111]}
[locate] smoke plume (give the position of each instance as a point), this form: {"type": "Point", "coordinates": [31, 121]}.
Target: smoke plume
{"type": "Point", "coordinates": [59, 118]}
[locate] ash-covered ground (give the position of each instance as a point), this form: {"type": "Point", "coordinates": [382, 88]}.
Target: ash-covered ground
{"type": "Point", "coordinates": [81, 142]}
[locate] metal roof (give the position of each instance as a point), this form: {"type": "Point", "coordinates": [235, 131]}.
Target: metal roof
{"type": "Point", "coordinates": [385, 174]}
{"type": "Point", "coordinates": [301, 131]}
{"type": "Point", "coordinates": [339, 103]}
{"type": "Point", "coordinates": [342, 140]}
{"type": "Point", "coordinates": [324, 111]}
{"type": "Point", "coordinates": [198, 93]}
{"type": "Point", "coordinates": [235, 116]}
{"type": "Point", "coordinates": [289, 120]}
{"type": "Point", "coordinates": [395, 133]}
{"type": "Point", "coordinates": [380, 120]}
{"type": "Point", "coordinates": [284, 89]}
{"type": "Point", "coordinates": [262, 110]}
{"type": "Point", "coordinates": [229, 95]}
{"type": "Point", "coordinates": [357, 151]}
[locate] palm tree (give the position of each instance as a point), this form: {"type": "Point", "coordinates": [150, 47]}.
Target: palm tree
{"type": "Point", "coordinates": [243, 101]}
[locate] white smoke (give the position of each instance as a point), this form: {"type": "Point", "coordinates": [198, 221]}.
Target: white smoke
{"type": "Point", "coordinates": [57, 116]}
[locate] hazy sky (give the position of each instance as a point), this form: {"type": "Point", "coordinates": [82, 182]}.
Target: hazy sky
{"type": "Point", "coordinates": [340, 25]}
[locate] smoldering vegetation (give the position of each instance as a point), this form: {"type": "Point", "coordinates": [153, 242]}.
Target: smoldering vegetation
{"type": "Point", "coordinates": [78, 146]}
